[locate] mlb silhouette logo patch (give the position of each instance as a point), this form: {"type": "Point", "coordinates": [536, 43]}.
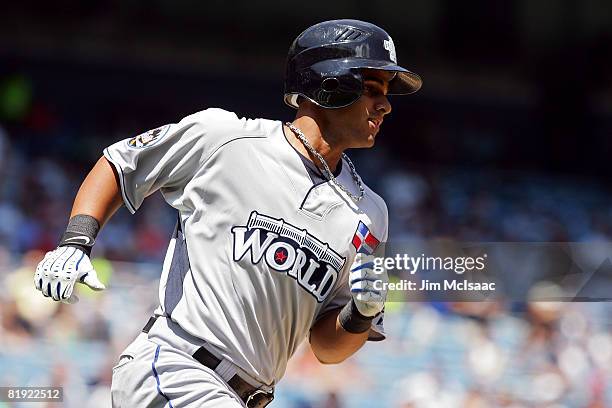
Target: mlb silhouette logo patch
{"type": "Point", "coordinates": [364, 241]}
{"type": "Point", "coordinates": [149, 138]}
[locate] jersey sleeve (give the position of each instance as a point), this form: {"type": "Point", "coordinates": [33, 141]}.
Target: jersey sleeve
{"type": "Point", "coordinates": [163, 158]}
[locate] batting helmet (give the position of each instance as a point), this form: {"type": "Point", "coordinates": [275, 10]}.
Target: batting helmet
{"type": "Point", "coordinates": [325, 60]}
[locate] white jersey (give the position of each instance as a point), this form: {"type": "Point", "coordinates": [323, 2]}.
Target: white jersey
{"type": "Point", "coordinates": [263, 246]}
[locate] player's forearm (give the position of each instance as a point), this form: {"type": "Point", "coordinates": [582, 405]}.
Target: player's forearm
{"type": "Point", "coordinates": [99, 196]}
{"type": "Point", "coordinates": [330, 343]}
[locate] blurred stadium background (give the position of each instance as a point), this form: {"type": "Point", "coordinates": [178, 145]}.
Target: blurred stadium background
{"type": "Point", "coordinates": [509, 140]}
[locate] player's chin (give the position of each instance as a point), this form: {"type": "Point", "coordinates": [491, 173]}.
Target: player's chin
{"type": "Point", "coordinates": [371, 139]}
{"type": "Point", "coordinates": [366, 142]}
{"type": "Point", "coordinates": [367, 138]}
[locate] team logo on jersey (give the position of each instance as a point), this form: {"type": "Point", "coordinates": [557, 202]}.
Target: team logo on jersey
{"type": "Point", "coordinates": [148, 138]}
{"type": "Point", "coordinates": [290, 250]}
{"type": "Point", "coordinates": [364, 241]}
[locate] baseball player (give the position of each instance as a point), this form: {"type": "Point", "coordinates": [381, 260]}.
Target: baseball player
{"type": "Point", "coordinates": [275, 236]}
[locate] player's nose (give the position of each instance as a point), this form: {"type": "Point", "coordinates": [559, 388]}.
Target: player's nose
{"type": "Point", "coordinates": [382, 105]}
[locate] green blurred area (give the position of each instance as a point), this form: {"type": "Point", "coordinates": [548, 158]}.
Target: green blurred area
{"type": "Point", "coordinates": [15, 98]}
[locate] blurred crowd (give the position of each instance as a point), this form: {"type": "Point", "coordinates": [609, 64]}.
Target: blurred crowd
{"type": "Point", "coordinates": [36, 196]}
{"type": "Point", "coordinates": [505, 143]}
{"type": "Point", "coordinates": [472, 355]}
{"type": "Point", "coordinates": [463, 204]}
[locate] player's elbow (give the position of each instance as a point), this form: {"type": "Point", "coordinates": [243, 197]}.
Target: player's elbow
{"type": "Point", "coordinates": [330, 343]}
{"type": "Point", "coordinates": [326, 351]}
{"type": "Point", "coordinates": [328, 357]}
{"type": "Point", "coordinates": [330, 362]}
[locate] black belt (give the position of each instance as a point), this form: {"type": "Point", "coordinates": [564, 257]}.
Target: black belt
{"type": "Point", "coordinates": [251, 396]}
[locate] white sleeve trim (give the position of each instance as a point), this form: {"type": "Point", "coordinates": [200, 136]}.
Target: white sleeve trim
{"type": "Point", "coordinates": [126, 200]}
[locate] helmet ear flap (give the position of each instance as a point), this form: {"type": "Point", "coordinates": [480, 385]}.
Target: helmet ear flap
{"type": "Point", "coordinates": [339, 90]}
{"type": "Point", "coordinates": [329, 88]}
{"type": "Point", "coordinates": [330, 84]}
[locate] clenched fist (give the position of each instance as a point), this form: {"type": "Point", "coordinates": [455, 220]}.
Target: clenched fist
{"type": "Point", "coordinates": [368, 286]}
{"type": "Point", "coordinates": [60, 269]}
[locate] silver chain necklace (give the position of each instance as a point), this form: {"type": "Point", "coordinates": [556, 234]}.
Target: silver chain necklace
{"type": "Point", "coordinates": [326, 171]}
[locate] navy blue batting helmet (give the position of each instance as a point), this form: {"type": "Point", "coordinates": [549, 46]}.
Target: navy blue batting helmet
{"type": "Point", "coordinates": [325, 61]}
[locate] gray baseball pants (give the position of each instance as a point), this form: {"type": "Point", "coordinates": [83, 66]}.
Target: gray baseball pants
{"type": "Point", "coordinates": [153, 374]}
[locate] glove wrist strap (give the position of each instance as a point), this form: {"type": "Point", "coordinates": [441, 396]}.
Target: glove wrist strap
{"type": "Point", "coordinates": [81, 233]}
{"type": "Point", "coordinates": [352, 321]}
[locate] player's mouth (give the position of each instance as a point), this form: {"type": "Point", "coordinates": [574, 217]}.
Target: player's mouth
{"type": "Point", "coordinates": [375, 124]}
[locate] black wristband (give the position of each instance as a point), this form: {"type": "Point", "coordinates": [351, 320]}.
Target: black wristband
{"type": "Point", "coordinates": [352, 321]}
{"type": "Point", "coordinates": [81, 233]}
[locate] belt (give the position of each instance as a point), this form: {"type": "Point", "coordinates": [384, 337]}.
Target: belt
{"type": "Point", "coordinates": [250, 395]}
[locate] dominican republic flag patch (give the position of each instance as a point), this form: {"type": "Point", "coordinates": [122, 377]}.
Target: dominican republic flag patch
{"type": "Point", "coordinates": [364, 241]}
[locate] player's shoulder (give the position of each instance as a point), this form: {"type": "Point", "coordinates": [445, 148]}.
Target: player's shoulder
{"type": "Point", "coordinates": [374, 208]}
{"type": "Point", "coordinates": [220, 122]}
{"type": "Point", "coordinates": [377, 201]}
{"type": "Point", "coordinates": [374, 204]}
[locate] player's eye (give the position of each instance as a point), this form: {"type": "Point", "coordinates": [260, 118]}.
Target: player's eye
{"type": "Point", "coordinates": [373, 89]}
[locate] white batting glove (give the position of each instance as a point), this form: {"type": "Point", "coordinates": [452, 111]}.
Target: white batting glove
{"type": "Point", "coordinates": [61, 268]}
{"type": "Point", "coordinates": [368, 287]}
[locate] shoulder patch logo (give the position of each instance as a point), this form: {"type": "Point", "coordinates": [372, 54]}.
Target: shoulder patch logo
{"type": "Point", "coordinates": [149, 138]}
{"type": "Point", "coordinates": [289, 250]}
{"type": "Point", "coordinates": [364, 241]}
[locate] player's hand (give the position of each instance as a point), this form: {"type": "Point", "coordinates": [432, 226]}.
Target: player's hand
{"type": "Point", "coordinates": [61, 268]}
{"type": "Point", "coordinates": [368, 286]}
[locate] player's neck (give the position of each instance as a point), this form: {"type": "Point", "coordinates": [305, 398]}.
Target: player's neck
{"type": "Point", "coordinates": [325, 146]}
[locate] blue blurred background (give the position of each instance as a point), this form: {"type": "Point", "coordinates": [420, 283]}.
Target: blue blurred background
{"type": "Point", "coordinates": [509, 140]}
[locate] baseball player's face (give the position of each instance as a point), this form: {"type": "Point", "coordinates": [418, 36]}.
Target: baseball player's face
{"type": "Point", "coordinates": [360, 122]}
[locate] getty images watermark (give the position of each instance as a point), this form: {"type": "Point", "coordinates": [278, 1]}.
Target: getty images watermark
{"type": "Point", "coordinates": [406, 264]}
{"type": "Point", "coordinates": [445, 270]}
